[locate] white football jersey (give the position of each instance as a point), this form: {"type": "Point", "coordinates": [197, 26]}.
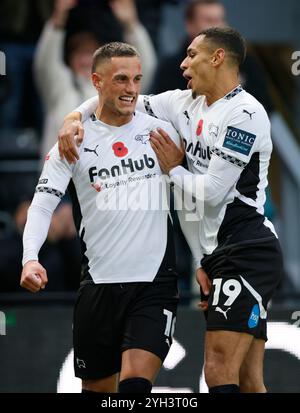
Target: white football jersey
{"type": "Point", "coordinates": [229, 142]}
{"type": "Point", "coordinates": [114, 181]}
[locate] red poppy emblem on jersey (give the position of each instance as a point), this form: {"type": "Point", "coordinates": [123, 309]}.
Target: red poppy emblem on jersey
{"type": "Point", "coordinates": [120, 149]}
{"type": "Point", "coordinates": [47, 157]}
{"type": "Point", "coordinates": [199, 127]}
{"type": "Point", "coordinates": [97, 187]}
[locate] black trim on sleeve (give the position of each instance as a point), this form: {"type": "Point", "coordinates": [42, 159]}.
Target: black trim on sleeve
{"type": "Point", "coordinates": [147, 106]}
{"type": "Point", "coordinates": [47, 190]}
{"type": "Point", "coordinates": [229, 158]}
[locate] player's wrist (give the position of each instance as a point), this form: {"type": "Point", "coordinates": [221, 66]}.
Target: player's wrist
{"type": "Point", "coordinates": [29, 261]}
{"type": "Point", "coordinates": [176, 170]}
{"type": "Point", "coordinates": [73, 116]}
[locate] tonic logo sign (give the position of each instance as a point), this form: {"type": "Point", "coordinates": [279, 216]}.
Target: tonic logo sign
{"type": "Point", "coordinates": [239, 140]}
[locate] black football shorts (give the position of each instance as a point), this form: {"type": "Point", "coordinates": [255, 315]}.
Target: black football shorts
{"type": "Point", "coordinates": [111, 318]}
{"type": "Point", "coordinates": [244, 278]}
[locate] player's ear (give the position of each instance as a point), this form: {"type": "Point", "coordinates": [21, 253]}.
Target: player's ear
{"type": "Point", "coordinates": [218, 57]}
{"type": "Point", "coordinates": [97, 81]}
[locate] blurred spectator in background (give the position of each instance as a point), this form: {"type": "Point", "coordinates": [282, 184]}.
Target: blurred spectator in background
{"type": "Point", "coordinates": [21, 22]}
{"type": "Point", "coordinates": [57, 253]}
{"type": "Point", "coordinates": [134, 33]}
{"type": "Point", "coordinates": [63, 84]}
{"type": "Point", "coordinates": [201, 15]}
{"type": "Point", "coordinates": [97, 16]}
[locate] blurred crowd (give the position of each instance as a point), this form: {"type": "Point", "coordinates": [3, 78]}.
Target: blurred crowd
{"type": "Point", "coordinates": [49, 46]}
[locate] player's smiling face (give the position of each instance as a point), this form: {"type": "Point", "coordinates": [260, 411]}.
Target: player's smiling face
{"type": "Point", "coordinates": [197, 66]}
{"type": "Point", "coordinates": [120, 84]}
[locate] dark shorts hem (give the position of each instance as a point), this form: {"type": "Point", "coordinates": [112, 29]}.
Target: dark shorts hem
{"type": "Point", "coordinates": [95, 376]}
{"type": "Point", "coordinates": [143, 347]}
{"type": "Point", "coordinates": [237, 330]}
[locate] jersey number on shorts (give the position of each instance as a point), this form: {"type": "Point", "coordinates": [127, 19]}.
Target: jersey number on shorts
{"type": "Point", "coordinates": [231, 288]}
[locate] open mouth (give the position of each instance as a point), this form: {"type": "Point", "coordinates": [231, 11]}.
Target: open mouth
{"type": "Point", "coordinates": [189, 79]}
{"type": "Point", "coordinates": [127, 99]}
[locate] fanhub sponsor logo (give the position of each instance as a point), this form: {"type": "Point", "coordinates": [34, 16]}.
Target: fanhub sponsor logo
{"type": "Point", "coordinates": [197, 150]}
{"type": "Point", "coordinates": [126, 166]}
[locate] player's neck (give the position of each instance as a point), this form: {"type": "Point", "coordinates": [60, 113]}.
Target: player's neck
{"type": "Point", "coordinates": [221, 88]}
{"type": "Point", "coordinates": [112, 118]}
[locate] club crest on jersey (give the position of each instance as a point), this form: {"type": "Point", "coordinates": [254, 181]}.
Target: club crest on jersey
{"type": "Point", "coordinates": [239, 140]}
{"type": "Point", "coordinates": [199, 127]}
{"type": "Point", "coordinates": [213, 130]}
{"type": "Point", "coordinates": [120, 149]}
{"type": "Point", "coordinates": [80, 363]}
{"type": "Point", "coordinates": [144, 139]}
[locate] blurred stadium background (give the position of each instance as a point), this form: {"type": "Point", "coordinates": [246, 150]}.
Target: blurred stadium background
{"type": "Point", "coordinates": [39, 62]}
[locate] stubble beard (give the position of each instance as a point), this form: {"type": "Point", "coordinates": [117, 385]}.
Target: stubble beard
{"type": "Point", "coordinates": [194, 94]}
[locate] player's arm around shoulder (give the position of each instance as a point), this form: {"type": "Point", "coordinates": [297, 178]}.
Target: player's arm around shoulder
{"type": "Point", "coordinates": [70, 137]}
{"type": "Point", "coordinates": [165, 106]}
{"type": "Point", "coordinates": [71, 134]}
